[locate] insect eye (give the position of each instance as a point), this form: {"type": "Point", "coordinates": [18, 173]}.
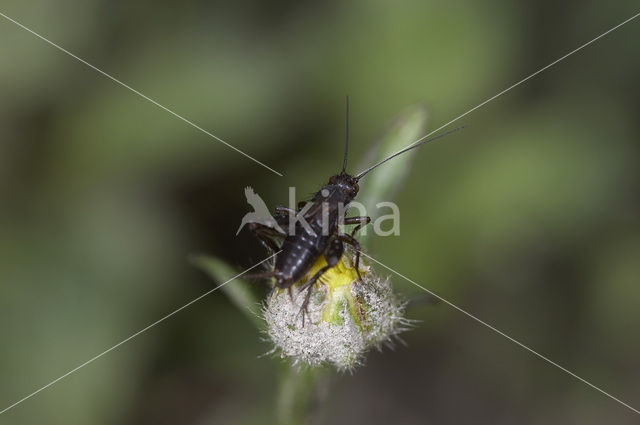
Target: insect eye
{"type": "Point", "coordinates": [333, 180]}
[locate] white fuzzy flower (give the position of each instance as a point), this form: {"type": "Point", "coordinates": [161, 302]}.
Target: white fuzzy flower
{"type": "Point", "coordinates": [345, 317]}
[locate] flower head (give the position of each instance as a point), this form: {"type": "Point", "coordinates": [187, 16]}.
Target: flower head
{"type": "Point", "coordinates": [345, 316]}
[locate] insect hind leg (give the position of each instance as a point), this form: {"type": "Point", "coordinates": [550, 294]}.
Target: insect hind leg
{"type": "Point", "coordinates": [267, 235]}
{"type": "Point", "coordinates": [308, 286]}
{"type": "Point", "coordinates": [266, 275]}
{"type": "Point", "coordinates": [332, 255]}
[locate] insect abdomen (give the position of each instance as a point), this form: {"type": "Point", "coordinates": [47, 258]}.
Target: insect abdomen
{"type": "Point", "coordinates": [299, 253]}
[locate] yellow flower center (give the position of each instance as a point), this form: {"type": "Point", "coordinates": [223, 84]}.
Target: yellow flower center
{"type": "Point", "coordinates": [343, 274]}
{"type": "Point", "coordinates": [338, 280]}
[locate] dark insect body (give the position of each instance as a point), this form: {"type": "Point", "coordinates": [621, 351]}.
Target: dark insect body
{"type": "Point", "coordinates": [299, 250]}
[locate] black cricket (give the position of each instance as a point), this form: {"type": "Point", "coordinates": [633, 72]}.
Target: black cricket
{"type": "Point", "coordinates": [298, 252]}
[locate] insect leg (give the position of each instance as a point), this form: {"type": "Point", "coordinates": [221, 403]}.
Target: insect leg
{"type": "Point", "coordinates": [308, 286]}
{"type": "Point", "coordinates": [267, 235]}
{"type": "Point", "coordinates": [285, 211]}
{"type": "Point", "coordinates": [356, 245]}
{"type": "Point", "coordinates": [360, 221]}
{"type": "Point", "coordinates": [263, 275]}
{"type": "Point", "coordinates": [332, 255]}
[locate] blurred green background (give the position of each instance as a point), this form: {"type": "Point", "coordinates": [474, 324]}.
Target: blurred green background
{"type": "Point", "coordinates": [528, 218]}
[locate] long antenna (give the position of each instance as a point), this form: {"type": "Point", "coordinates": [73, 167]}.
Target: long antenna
{"type": "Point", "coordinates": [359, 176]}
{"type": "Point", "coordinates": [346, 143]}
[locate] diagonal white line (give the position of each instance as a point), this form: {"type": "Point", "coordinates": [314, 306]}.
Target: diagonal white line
{"type": "Point", "coordinates": [502, 333]}
{"type": "Point", "coordinates": [515, 85]}
{"type": "Point", "coordinates": [139, 94]}
{"type": "Point", "coordinates": [392, 270]}
{"type": "Point", "coordinates": [133, 336]}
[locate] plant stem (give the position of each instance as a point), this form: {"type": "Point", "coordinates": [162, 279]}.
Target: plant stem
{"type": "Point", "coordinates": [300, 392]}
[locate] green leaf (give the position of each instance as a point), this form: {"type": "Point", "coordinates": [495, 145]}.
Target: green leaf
{"type": "Point", "coordinates": [384, 183]}
{"type": "Point", "coordinates": [239, 290]}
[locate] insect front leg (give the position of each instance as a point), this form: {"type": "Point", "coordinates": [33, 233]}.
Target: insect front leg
{"type": "Point", "coordinates": [356, 245]}
{"type": "Point", "coordinates": [360, 221]}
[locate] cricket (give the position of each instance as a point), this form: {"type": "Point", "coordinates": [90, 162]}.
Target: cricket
{"type": "Point", "coordinates": [325, 212]}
